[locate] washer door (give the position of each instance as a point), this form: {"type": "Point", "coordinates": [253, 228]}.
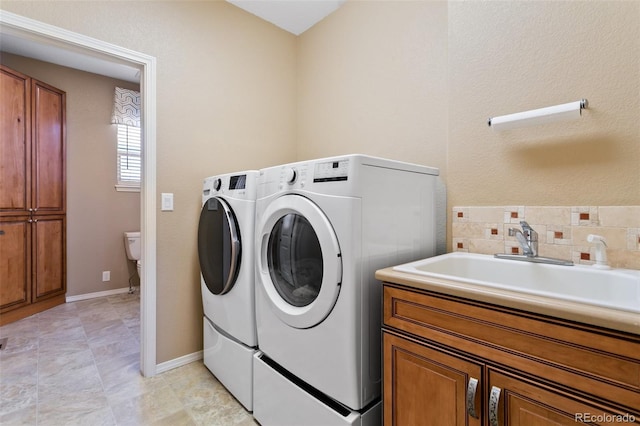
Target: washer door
{"type": "Point", "coordinates": [301, 252]}
{"type": "Point", "coordinates": [219, 246]}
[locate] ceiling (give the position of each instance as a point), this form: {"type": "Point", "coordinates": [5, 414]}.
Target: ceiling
{"type": "Point", "coordinates": [294, 16]}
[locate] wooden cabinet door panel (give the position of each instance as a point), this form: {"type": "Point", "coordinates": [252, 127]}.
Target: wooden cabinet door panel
{"type": "Point", "coordinates": [32, 196]}
{"type": "Point", "coordinates": [15, 271]}
{"type": "Point", "coordinates": [525, 403]}
{"type": "Point", "coordinates": [49, 148]}
{"type": "Point", "coordinates": [49, 257]}
{"type": "Point", "coordinates": [15, 172]}
{"type": "Point", "coordinates": [426, 387]}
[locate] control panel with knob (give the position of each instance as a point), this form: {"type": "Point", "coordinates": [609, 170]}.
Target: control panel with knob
{"type": "Point", "coordinates": [217, 184]}
{"type": "Point", "coordinates": [290, 175]}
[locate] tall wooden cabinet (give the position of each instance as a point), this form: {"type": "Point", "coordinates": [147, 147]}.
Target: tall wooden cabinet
{"type": "Point", "coordinates": [32, 196]}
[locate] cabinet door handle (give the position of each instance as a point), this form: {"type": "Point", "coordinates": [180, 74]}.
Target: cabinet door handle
{"type": "Point", "coordinates": [494, 399]}
{"type": "Point", "coordinates": [471, 397]}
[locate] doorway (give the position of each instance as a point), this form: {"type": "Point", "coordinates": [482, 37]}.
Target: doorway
{"type": "Point", "coordinates": [70, 46]}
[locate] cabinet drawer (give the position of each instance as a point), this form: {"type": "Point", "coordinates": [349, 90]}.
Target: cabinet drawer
{"type": "Point", "coordinates": [596, 361]}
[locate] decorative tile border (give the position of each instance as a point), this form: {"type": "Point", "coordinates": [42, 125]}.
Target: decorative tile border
{"type": "Point", "coordinates": [562, 231]}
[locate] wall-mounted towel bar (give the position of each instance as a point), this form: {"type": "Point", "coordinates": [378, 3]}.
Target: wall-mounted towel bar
{"type": "Point", "coordinates": [569, 111]}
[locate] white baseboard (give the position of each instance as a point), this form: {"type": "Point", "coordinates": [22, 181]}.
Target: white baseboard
{"type": "Point", "coordinates": [178, 362]}
{"type": "Point", "coordinates": [96, 294]}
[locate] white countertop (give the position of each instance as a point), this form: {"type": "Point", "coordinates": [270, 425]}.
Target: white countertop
{"type": "Point", "coordinates": [600, 316]}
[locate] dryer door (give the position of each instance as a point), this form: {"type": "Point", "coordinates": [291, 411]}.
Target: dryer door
{"type": "Point", "coordinates": [300, 262]}
{"type": "Point", "coordinates": [219, 246]}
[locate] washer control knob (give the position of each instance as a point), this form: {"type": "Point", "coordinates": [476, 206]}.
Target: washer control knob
{"type": "Point", "coordinates": [217, 184]}
{"type": "Point", "coordinates": [290, 175]}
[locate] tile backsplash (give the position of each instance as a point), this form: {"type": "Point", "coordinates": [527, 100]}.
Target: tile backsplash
{"type": "Point", "coordinates": [562, 231]}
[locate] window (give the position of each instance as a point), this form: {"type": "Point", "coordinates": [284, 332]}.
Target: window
{"type": "Point", "coordinates": [126, 115]}
{"type": "Point", "coordinates": [129, 158]}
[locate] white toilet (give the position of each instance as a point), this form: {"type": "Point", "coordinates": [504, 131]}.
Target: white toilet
{"type": "Point", "coordinates": [133, 248]}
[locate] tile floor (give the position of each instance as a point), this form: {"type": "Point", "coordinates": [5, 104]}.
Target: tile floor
{"type": "Point", "coordinates": [78, 364]}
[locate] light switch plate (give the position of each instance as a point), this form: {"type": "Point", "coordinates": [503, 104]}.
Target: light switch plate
{"type": "Point", "coordinates": [167, 202]}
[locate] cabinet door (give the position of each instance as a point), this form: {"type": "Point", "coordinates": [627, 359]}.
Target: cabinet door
{"type": "Point", "coordinates": [49, 257]}
{"type": "Point", "coordinates": [517, 402]}
{"type": "Point", "coordinates": [15, 269]}
{"type": "Point", "coordinates": [424, 386]}
{"type": "Point", "coordinates": [15, 167]}
{"type": "Point", "coordinates": [48, 141]}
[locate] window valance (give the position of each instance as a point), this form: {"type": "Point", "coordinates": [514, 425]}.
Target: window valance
{"type": "Point", "coordinates": [126, 107]}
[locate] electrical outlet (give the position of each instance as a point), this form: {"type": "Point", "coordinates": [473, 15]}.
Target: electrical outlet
{"type": "Point", "coordinates": [106, 275]}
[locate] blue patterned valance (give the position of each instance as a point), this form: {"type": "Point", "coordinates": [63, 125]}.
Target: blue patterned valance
{"type": "Point", "coordinates": [126, 107]}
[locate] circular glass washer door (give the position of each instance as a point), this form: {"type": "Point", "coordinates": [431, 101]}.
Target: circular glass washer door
{"type": "Point", "coordinates": [219, 246]}
{"type": "Point", "coordinates": [300, 250]}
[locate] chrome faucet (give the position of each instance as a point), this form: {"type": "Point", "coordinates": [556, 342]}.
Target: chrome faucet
{"type": "Point", "coordinates": [528, 239]}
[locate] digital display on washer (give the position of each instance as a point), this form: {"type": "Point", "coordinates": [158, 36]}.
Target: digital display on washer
{"type": "Point", "coordinates": [331, 171]}
{"type": "Point", "coordinates": [238, 182]}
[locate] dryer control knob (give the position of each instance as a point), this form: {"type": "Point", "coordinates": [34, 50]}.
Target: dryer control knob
{"type": "Point", "coordinates": [290, 175]}
{"type": "Point", "coordinates": [217, 184]}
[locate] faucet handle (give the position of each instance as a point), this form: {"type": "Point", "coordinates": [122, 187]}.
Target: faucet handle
{"type": "Point", "coordinates": [531, 234]}
{"type": "Point", "coordinates": [525, 226]}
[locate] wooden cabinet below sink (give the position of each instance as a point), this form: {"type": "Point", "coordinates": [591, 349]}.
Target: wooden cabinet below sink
{"type": "Point", "coordinates": [528, 369]}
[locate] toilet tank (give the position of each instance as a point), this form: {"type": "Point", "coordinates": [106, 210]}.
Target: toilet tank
{"type": "Point", "coordinates": [132, 245]}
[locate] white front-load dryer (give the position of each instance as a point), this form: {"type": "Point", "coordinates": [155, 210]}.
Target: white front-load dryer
{"type": "Point", "coordinates": [323, 227]}
{"type": "Point", "coordinates": [226, 255]}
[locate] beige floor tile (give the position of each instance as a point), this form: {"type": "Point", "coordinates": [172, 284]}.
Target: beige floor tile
{"type": "Point", "coordinates": [16, 397]}
{"type": "Point", "coordinates": [181, 418]}
{"type": "Point", "coordinates": [100, 334]}
{"type": "Point", "coordinates": [20, 367]}
{"type": "Point", "coordinates": [22, 416]}
{"type": "Point", "coordinates": [61, 327]}
{"type": "Point", "coordinates": [99, 316]}
{"type": "Point", "coordinates": [64, 416]}
{"type": "Point", "coordinates": [127, 346]}
{"type": "Point", "coordinates": [63, 345]}
{"type": "Point", "coordinates": [61, 365]}
{"type": "Point", "coordinates": [83, 379]}
{"type": "Point", "coordinates": [27, 327]}
{"type": "Point", "coordinates": [79, 364]}
{"type": "Point", "coordinates": [147, 408]}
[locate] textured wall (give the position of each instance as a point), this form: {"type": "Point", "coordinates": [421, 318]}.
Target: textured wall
{"type": "Point", "coordinates": [372, 79]}
{"type": "Point", "coordinates": [506, 57]}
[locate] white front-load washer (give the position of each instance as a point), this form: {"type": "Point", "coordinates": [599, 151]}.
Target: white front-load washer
{"type": "Point", "coordinates": [323, 227]}
{"type": "Point", "coordinates": [226, 254]}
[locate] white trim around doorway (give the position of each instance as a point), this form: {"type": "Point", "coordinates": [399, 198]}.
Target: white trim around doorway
{"type": "Point", "coordinates": [49, 35]}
